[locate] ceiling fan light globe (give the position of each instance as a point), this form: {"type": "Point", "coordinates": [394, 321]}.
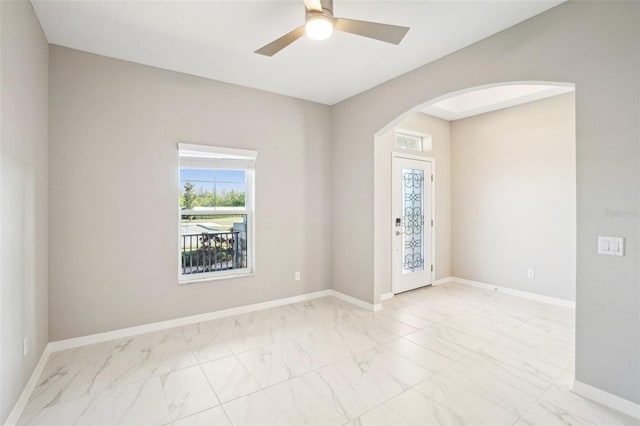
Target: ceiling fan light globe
{"type": "Point", "coordinates": [318, 28]}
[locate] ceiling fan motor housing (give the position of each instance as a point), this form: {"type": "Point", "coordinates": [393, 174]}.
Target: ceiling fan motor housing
{"type": "Point", "coordinates": [327, 11]}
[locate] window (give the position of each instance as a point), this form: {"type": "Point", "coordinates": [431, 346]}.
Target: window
{"type": "Point", "coordinates": [216, 212]}
{"type": "Point", "coordinates": [413, 141]}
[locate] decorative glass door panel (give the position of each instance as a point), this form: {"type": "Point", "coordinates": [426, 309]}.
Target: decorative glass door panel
{"type": "Point", "coordinates": [413, 220]}
{"type": "Point", "coordinates": [412, 227]}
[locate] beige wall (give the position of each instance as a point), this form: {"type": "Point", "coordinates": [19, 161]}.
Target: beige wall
{"type": "Point", "coordinates": [592, 44]}
{"type": "Point", "coordinates": [513, 197]}
{"type": "Point", "coordinates": [114, 131]}
{"type": "Point", "coordinates": [23, 197]}
{"type": "Point", "coordinates": [441, 153]}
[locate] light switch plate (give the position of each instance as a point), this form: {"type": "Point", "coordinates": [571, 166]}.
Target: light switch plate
{"type": "Point", "coordinates": [611, 246]}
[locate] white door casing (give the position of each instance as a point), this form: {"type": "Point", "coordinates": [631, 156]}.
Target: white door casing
{"type": "Point", "coordinates": [412, 222]}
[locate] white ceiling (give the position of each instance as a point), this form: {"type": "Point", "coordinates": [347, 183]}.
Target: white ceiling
{"type": "Point", "coordinates": [216, 39]}
{"type": "Point", "coordinates": [476, 102]}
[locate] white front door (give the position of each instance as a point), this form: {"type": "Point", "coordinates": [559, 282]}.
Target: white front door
{"type": "Point", "coordinates": [412, 225]}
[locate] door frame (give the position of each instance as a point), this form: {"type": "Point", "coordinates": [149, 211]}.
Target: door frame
{"type": "Point", "coordinates": [427, 159]}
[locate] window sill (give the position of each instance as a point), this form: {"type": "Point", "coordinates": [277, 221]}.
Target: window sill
{"type": "Point", "coordinates": [215, 277]}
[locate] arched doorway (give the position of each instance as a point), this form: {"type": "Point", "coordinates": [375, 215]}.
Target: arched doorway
{"type": "Point", "coordinates": [537, 269]}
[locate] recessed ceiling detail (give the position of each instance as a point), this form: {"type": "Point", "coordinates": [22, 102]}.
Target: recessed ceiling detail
{"type": "Point", "coordinates": [479, 101]}
{"type": "Point", "coordinates": [216, 39]}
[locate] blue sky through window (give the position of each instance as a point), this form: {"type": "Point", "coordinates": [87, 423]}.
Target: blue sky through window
{"type": "Point", "coordinates": [206, 179]}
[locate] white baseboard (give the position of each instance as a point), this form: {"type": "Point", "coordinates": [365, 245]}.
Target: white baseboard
{"type": "Point", "coordinates": [360, 303]}
{"type": "Point", "coordinates": [386, 296]}
{"type": "Point", "coordinates": [193, 319]}
{"type": "Point", "coordinates": [442, 281]}
{"type": "Point", "coordinates": [519, 293]}
{"type": "Point", "coordinates": [16, 412]}
{"type": "Point", "coordinates": [605, 398]}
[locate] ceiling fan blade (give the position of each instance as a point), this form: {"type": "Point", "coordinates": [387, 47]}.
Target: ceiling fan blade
{"type": "Point", "coordinates": [313, 5]}
{"type": "Point", "coordinates": [383, 32]}
{"type": "Point", "coordinates": [280, 43]}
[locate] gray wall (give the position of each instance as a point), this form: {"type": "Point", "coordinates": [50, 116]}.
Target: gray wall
{"type": "Point", "coordinates": [23, 197]}
{"type": "Point", "coordinates": [441, 152]}
{"type": "Point", "coordinates": [595, 46]}
{"type": "Point", "coordinates": [514, 197]}
{"type": "Point", "coordinates": [113, 165]}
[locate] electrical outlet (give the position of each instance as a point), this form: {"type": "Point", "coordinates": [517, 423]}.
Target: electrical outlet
{"type": "Point", "coordinates": [25, 346]}
{"type": "Point", "coordinates": [531, 273]}
{"type": "Point", "coordinates": [297, 276]}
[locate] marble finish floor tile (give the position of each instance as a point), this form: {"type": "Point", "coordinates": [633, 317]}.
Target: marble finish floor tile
{"type": "Point", "coordinates": [446, 341]}
{"type": "Point", "coordinates": [539, 346]}
{"type": "Point", "coordinates": [437, 309]}
{"type": "Point", "coordinates": [256, 409]}
{"type": "Point", "coordinates": [449, 354]}
{"type": "Point", "coordinates": [410, 408]}
{"type": "Point", "coordinates": [131, 343]}
{"type": "Point", "coordinates": [151, 355]}
{"type": "Point", "coordinates": [448, 305]}
{"type": "Point", "coordinates": [59, 359]}
{"type": "Point", "coordinates": [360, 336]}
{"type": "Point", "coordinates": [555, 329]}
{"type": "Point", "coordinates": [387, 323]}
{"type": "Point", "coordinates": [499, 316]}
{"type": "Point", "coordinates": [400, 300]}
{"type": "Point", "coordinates": [206, 343]}
{"type": "Point", "coordinates": [424, 312]}
{"type": "Point", "coordinates": [523, 309]}
{"type": "Point", "coordinates": [471, 294]}
{"type": "Point", "coordinates": [562, 316]}
{"type": "Point", "coordinates": [478, 395]}
{"type": "Point", "coordinates": [283, 361]}
{"type": "Point", "coordinates": [558, 407]}
{"type": "Point", "coordinates": [141, 403]}
{"type": "Point", "coordinates": [60, 383]}
{"type": "Point", "coordinates": [211, 417]}
{"type": "Point", "coordinates": [229, 379]}
{"type": "Point", "coordinates": [357, 384]}
{"type": "Point", "coordinates": [187, 392]}
{"type": "Point", "coordinates": [529, 384]}
{"type": "Point", "coordinates": [93, 410]}
{"type": "Point", "coordinates": [405, 317]}
{"type": "Point", "coordinates": [565, 382]}
{"type": "Point", "coordinates": [532, 369]}
{"type": "Point", "coordinates": [428, 359]}
{"type": "Point", "coordinates": [243, 338]}
{"type": "Point", "coordinates": [289, 322]}
{"type": "Point", "coordinates": [477, 325]}
{"type": "Point", "coordinates": [302, 404]}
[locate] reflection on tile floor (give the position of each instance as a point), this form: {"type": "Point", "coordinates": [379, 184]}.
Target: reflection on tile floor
{"type": "Point", "coordinates": [446, 355]}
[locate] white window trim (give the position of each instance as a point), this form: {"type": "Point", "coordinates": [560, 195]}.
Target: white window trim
{"type": "Point", "coordinates": [208, 151]}
{"type": "Point", "coordinates": [411, 132]}
{"type": "Point", "coordinates": [244, 157]}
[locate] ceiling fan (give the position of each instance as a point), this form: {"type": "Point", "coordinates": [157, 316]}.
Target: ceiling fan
{"type": "Point", "coordinates": [320, 23]}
